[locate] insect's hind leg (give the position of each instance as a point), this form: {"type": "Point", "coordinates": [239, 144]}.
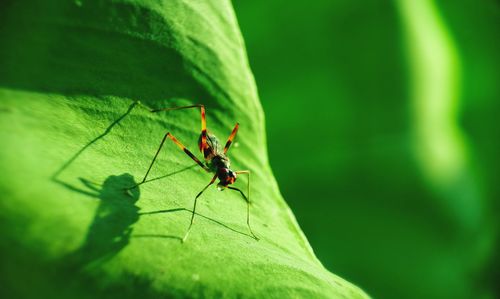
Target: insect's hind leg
{"type": "Point", "coordinates": [203, 144]}
{"type": "Point", "coordinates": [181, 146]}
{"type": "Point", "coordinates": [231, 137]}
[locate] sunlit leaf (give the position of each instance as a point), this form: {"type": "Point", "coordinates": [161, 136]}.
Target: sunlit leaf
{"type": "Point", "coordinates": [73, 141]}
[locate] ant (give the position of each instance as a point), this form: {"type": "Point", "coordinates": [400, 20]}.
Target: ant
{"type": "Point", "coordinates": [216, 161]}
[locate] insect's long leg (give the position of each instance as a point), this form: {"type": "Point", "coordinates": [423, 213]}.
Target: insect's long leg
{"type": "Point", "coordinates": [203, 144]}
{"type": "Point", "coordinates": [181, 146]}
{"type": "Point", "coordinates": [247, 172]}
{"type": "Point", "coordinates": [248, 210]}
{"type": "Point", "coordinates": [194, 207]}
{"type": "Point", "coordinates": [231, 137]}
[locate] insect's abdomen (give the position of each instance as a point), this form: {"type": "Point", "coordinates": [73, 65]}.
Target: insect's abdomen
{"type": "Point", "coordinates": [212, 147]}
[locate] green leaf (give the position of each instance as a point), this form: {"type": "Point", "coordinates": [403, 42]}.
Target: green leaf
{"type": "Point", "coordinates": [73, 140]}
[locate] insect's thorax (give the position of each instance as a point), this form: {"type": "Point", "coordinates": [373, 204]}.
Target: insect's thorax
{"type": "Point", "coordinates": [217, 161]}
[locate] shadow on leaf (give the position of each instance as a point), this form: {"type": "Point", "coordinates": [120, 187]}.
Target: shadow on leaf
{"type": "Point", "coordinates": [190, 211]}
{"type": "Point", "coordinates": [113, 220]}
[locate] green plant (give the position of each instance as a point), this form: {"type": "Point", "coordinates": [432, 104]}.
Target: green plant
{"type": "Point", "coordinates": [72, 141]}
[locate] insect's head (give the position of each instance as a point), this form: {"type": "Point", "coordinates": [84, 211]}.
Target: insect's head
{"type": "Point", "coordinates": [226, 177]}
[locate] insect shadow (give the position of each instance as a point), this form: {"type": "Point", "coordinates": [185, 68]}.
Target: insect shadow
{"type": "Point", "coordinates": [112, 226]}
{"type": "Point", "coordinates": [78, 153]}
{"type": "Point", "coordinates": [190, 212]}
{"type": "Point", "coordinates": [113, 221]}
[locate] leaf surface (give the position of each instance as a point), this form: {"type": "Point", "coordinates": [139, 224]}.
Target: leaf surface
{"type": "Point", "coordinates": [73, 140]}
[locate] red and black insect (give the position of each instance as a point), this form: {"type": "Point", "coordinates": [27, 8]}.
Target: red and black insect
{"type": "Point", "coordinates": [216, 161]}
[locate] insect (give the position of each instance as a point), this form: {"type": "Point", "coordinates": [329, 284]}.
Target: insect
{"type": "Point", "coordinates": [216, 162]}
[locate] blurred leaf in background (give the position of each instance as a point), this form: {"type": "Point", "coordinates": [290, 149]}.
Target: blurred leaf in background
{"type": "Point", "coordinates": [383, 135]}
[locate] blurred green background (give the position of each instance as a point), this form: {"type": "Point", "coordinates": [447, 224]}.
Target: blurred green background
{"type": "Point", "coordinates": [383, 134]}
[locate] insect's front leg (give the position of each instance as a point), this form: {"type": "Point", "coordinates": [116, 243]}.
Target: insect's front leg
{"type": "Point", "coordinates": [246, 198]}
{"type": "Point", "coordinates": [194, 207]}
